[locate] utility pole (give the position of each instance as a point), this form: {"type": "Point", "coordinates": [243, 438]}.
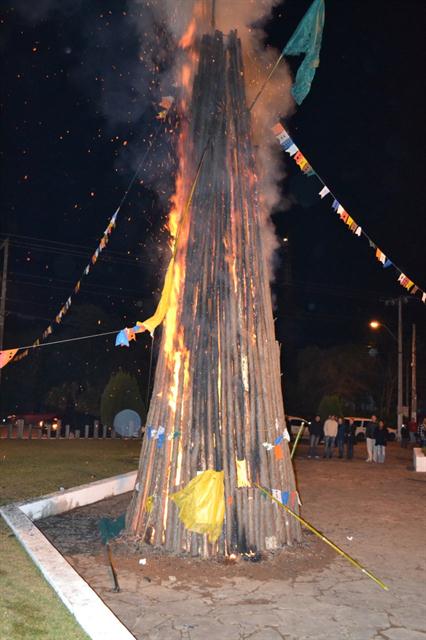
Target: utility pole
{"type": "Point", "coordinates": [5, 247]}
{"type": "Point", "coordinates": [413, 376]}
{"type": "Point", "coordinates": [400, 414]}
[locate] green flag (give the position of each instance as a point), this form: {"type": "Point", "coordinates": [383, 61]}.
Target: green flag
{"type": "Point", "coordinates": [306, 39]}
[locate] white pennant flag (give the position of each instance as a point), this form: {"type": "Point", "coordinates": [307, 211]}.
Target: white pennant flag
{"type": "Point", "coordinates": [324, 191]}
{"type": "Point", "coordinates": [358, 231]}
{"type": "Point", "coordinates": [292, 150]}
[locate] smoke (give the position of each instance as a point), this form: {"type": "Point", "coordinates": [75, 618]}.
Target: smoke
{"type": "Point", "coordinates": [248, 18]}
{"type": "Point", "coordinates": [127, 60]}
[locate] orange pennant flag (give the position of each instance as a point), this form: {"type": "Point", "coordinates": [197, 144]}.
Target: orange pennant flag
{"type": "Point", "coordinates": [279, 453]}
{"type": "Point", "coordinates": [6, 357]}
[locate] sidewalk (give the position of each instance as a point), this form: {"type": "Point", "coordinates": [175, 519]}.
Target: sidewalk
{"type": "Point", "coordinates": [374, 512]}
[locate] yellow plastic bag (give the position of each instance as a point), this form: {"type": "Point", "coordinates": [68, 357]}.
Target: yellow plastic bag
{"type": "Point", "coordinates": [201, 504]}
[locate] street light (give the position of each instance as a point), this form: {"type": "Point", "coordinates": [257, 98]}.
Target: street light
{"type": "Point", "coordinates": [375, 324]}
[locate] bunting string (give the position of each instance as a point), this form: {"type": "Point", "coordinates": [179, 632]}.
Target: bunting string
{"type": "Point", "coordinates": [12, 354]}
{"type": "Point", "coordinates": [290, 147]}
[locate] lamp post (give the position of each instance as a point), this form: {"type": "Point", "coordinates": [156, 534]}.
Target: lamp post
{"type": "Point", "coordinates": [374, 324]}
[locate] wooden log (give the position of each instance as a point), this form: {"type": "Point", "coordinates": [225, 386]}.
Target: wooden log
{"type": "Point", "coordinates": [217, 381]}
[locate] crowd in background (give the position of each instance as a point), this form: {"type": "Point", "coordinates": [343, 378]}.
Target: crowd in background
{"type": "Point", "coordinates": [340, 432]}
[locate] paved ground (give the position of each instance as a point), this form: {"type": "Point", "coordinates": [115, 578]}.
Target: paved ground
{"type": "Point", "coordinates": [375, 512]}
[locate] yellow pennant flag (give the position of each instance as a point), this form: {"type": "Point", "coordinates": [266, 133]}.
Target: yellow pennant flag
{"type": "Point", "coordinates": [242, 480]}
{"type": "Point", "coordinates": [6, 357]}
{"type": "Point", "coordinates": [152, 323]}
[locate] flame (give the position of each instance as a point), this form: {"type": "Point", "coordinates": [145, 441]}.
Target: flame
{"type": "Point", "coordinates": [188, 38]}
{"type": "Point", "coordinates": [177, 356]}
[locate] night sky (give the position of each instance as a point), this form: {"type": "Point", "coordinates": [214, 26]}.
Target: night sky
{"type": "Point", "coordinates": [79, 101]}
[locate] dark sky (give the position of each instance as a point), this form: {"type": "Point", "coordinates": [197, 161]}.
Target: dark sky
{"type": "Point", "coordinates": [78, 106]}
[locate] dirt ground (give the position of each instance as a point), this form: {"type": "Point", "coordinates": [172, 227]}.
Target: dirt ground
{"type": "Point", "coordinates": [376, 513]}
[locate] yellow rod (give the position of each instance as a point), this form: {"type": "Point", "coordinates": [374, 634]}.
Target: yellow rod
{"type": "Point", "coordinates": [299, 434]}
{"type": "Point", "coordinates": [324, 538]}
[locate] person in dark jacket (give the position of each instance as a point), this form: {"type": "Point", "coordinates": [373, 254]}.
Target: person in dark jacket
{"type": "Point", "coordinates": [341, 435]}
{"type": "Point", "coordinates": [350, 438]}
{"type": "Point", "coordinates": [315, 430]}
{"type": "Point", "coordinates": [405, 437]}
{"type": "Point", "coordinates": [381, 438]}
{"type": "Point", "coordinates": [369, 437]}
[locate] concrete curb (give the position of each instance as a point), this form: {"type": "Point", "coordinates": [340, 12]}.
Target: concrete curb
{"type": "Point", "coordinates": [92, 614]}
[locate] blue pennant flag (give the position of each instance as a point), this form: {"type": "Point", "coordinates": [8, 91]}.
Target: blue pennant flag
{"type": "Point", "coordinates": [121, 339]}
{"type": "Point", "coordinates": [278, 440]}
{"type": "Point", "coordinates": [284, 497]}
{"type": "Point", "coordinates": [387, 263]}
{"type": "Point", "coordinates": [307, 40]}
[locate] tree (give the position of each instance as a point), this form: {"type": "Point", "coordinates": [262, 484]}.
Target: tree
{"type": "Point", "coordinates": [121, 392]}
{"type": "Point", "coordinates": [330, 405]}
{"type": "Point", "coordinates": [346, 371]}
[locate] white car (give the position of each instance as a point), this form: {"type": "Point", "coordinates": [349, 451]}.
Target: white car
{"type": "Point", "coordinates": [360, 428]}
{"type": "Point", "coordinates": [294, 423]}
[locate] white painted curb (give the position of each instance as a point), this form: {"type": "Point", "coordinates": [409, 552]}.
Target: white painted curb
{"type": "Point", "coordinates": [93, 615]}
{"type": "Point", "coordinates": [419, 459]}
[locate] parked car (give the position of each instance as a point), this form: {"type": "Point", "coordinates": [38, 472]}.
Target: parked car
{"type": "Point", "coordinates": [360, 428]}
{"type": "Point", "coordinates": [294, 423]}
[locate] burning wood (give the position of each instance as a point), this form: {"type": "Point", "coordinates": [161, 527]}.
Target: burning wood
{"type": "Point", "coordinates": [217, 390]}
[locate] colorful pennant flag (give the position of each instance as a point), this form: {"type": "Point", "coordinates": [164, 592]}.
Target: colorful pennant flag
{"type": "Point", "coordinates": [290, 147]}
{"type": "Point", "coordinates": [6, 357]}
{"type": "Point", "coordinates": [242, 480]}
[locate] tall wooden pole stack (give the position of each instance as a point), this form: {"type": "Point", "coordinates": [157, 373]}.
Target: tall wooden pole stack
{"type": "Point", "coordinates": [217, 389]}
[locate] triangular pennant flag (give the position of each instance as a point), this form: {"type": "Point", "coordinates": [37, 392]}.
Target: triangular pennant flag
{"type": "Point", "coordinates": [278, 452]}
{"type": "Point", "coordinates": [380, 256]}
{"type": "Point", "coordinates": [242, 480]}
{"type": "Point", "coordinates": [6, 357]}
{"type": "Point", "coordinates": [122, 339]}
{"type": "Point", "coordinates": [292, 150]}
{"type": "Point", "coordinates": [285, 496]}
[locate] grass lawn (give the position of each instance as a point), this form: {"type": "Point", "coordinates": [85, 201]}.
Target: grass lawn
{"type": "Point", "coordinates": [29, 608]}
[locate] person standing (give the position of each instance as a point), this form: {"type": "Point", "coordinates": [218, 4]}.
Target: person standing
{"type": "Point", "coordinates": [412, 430]}
{"type": "Point", "coordinates": [422, 433]}
{"type": "Point", "coordinates": [330, 433]}
{"type": "Point", "coordinates": [405, 436]}
{"type": "Point", "coordinates": [341, 434]}
{"type": "Point", "coordinates": [369, 437]}
{"type": "Point", "coordinates": [380, 439]}
{"type": "Point", "coordinates": [350, 438]}
{"type": "Point", "coordinates": [315, 429]}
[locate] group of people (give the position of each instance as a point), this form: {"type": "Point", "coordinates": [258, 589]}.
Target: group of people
{"type": "Point", "coordinates": [342, 433]}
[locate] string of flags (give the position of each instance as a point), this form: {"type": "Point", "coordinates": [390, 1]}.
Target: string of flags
{"type": "Point", "coordinates": [10, 354]}
{"type": "Point", "coordinates": [66, 306]}
{"type": "Point", "coordinates": [276, 446]}
{"type": "Point", "coordinates": [290, 147]}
